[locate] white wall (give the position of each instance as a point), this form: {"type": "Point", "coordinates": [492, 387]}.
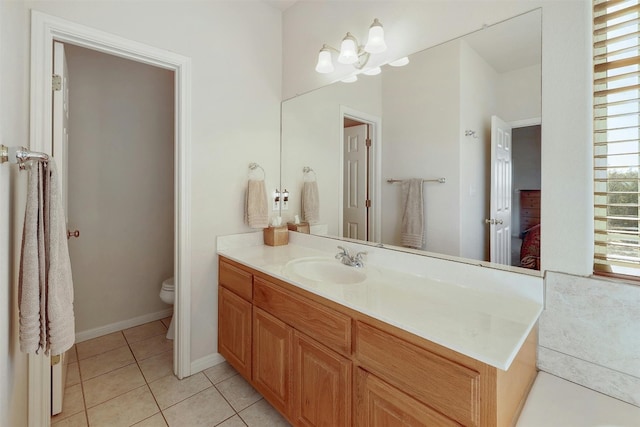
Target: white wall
{"type": "Point", "coordinates": [13, 131]}
{"type": "Point", "coordinates": [121, 142]}
{"type": "Point", "coordinates": [567, 189]}
{"type": "Point", "coordinates": [235, 111]}
{"type": "Point", "coordinates": [421, 115]}
{"type": "Point", "coordinates": [478, 82]}
{"type": "Point", "coordinates": [311, 137]}
{"type": "Point", "coordinates": [520, 94]}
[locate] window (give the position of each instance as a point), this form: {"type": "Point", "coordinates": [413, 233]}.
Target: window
{"type": "Point", "coordinates": [616, 136]}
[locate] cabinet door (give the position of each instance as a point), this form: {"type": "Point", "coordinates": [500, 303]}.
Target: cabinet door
{"type": "Point", "coordinates": [234, 331]}
{"type": "Point", "coordinates": [272, 359]}
{"type": "Point", "coordinates": [322, 384]}
{"type": "Point", "coordinates": [380, 405]}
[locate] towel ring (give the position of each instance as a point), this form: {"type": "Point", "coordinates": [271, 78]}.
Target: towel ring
{"type": "Point", "coordinates": [254, 166]}
{"type": "Point", "coordinates": [307, 169]}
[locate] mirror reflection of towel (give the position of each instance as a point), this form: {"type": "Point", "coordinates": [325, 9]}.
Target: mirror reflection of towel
{"type": "Point", "coordinates": [412, 227]}
{"type": "Point", "coordinates": [310, 202]}
{"type": "Point", "coordinates": [256, 212]}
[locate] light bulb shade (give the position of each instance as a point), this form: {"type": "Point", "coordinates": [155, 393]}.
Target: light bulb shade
{"type": "Point", "coordinates": [399, 62]}
{"type": "Point", "coordinates": [348, 50]}
{"type": "Point", "coordinates": [373, 71]}
{"type": "Point", "coordinates": [375, 42]}
{"type": "Point", "coordinates": [324, 65]}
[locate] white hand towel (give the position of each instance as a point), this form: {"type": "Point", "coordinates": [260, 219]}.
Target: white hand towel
{"type": "Point", "coordinates": [412, 227]}
{"type": "Point", "coordinates": [310, 202]}
{"type": "Point", "coordinates": [45, 285]}
{"type": "Point", "coordinates": [60, 315]}
{"type": "Point", "coordinates": [256, 212]}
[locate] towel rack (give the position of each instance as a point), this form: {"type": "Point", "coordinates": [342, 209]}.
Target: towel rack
{"type": "Point", "coordinates": [440, 180]}
{"type": "Point", "coordinates": [20, 155]}
{"type": "Point", "coordinates": [254, 166]}
{"type": "Point", "coordinates": [307, 169]}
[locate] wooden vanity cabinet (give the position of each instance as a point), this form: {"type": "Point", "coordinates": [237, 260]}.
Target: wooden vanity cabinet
{"type": "Point", "coordinates": [272, 340]}
{"type": "Point", "coordinates": [321, 384]}
{"type": "Point", "coordinates": [322, 364]}
{"type": "Point", "coordinates": [234, 317]}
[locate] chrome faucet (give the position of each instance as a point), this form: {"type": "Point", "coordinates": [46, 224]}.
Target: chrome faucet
{"type": "Point", "coordinates": [351, 261]}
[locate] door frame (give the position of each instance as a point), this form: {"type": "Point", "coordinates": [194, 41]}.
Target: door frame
{"type": "Point", "coordinates": [44, 30]}
{"type": "Point", "coordinates": [375, 173]}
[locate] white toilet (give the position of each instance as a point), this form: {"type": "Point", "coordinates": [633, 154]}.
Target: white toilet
{"type": "Point", "coordinates": [167, 295]}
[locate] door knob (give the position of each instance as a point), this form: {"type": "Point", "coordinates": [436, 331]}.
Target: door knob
{"type": "Point", "coordinates": [493, 221]}
{"type": "Point", "coordinates": [71, 234]}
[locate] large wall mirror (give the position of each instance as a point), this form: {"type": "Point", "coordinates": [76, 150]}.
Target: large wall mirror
{"type": "Point", "coordinates": [431, 120]}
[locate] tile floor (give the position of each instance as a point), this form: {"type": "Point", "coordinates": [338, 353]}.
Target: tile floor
{"type": "Point", "coordinates": [126, 379]}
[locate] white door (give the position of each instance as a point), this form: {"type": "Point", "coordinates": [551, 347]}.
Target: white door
{"type": "Point", "coordinates": [59, 149]}
{"type": "Point", "coordinates": [500, 215]}
{"type": "Point", "coordinates": [355, 182]}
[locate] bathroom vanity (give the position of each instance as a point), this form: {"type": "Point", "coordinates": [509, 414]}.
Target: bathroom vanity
{"type": "Point", "coordinates": [362, 352]}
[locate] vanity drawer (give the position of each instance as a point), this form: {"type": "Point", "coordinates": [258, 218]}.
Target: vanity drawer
{"type": "Point", "coordinates": [327, 326]}
{"type": "Point", "coordinates": [448, 387]}
{"type": "Point", "coordinates": [236, 280]}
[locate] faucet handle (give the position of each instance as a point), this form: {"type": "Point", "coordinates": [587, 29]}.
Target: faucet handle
{"type": "Point", "coordinates": [344, 250]}
{"type": "Point", "coordinates": [359, 255]}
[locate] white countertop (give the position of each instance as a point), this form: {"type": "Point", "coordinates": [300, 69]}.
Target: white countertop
{"type": "Point", "coordinates": [483, 324]}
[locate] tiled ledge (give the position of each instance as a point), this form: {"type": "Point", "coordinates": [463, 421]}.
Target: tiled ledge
{"type": "Point", "coordinates": [557, 402]}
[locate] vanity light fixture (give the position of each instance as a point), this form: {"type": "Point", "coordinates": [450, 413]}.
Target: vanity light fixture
{"type": "Point", "coordinates": [351, 52]}
{"type": "Point", "coordinates": [400, 62]}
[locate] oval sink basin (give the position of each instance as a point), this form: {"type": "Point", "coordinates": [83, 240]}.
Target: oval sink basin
{"type": "Point", "coordinates": [323, 269]}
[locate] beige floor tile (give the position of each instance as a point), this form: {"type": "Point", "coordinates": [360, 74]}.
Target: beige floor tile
{"type": "Point", "coordinates": [234, 421]}
{"type": "Point", "coordinates": [262, 414]}
{"type": "Point", "coordinates": [206, 408]}
{"type": "Point", "coordinates": [72, 403]}
{"type": "Point", "coordinates": [124, 410]}
{"type": "Point", "coordinates": [77, 420]}
{"type": "Point", "coordinates": [145, 331]}
{"type": "Point", "coordinates": [166, 321]}
{"type": "Point", "coordinates": [150, 347]}
{"type": "Point", "coordinates": [238, 392]}
{"type": "Point", "coordinates": [157, 366]}
{"type": "Point", "coordinates": [156, 421]}
{"type": "Point", "coordinates": [105, 362]}
{"type": "Point", "coordinates": [220, 372]}
{"type": "Point", "coordinates": [72, 354]}
{"type": "Point", "coordinates": [170, 390]}
{"type": "Point", "coordinates": [73, 374]}
{"type": "Point", "coordinates": [99, 345]}
{"type": "Point", "coordinates": [112, 384]}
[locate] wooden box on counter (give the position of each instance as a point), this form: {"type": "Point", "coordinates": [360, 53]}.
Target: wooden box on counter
{"type": "Point", "coordinates": [302, 227]}
{"type": "Point", "coordinates": [276, 236]}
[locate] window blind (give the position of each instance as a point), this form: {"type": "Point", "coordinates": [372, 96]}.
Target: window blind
{"type": "Point", "coordinates": [616, 135]}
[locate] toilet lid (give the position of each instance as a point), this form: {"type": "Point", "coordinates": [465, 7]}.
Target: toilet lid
{"type": "Point", "coordinates": [168, 285]}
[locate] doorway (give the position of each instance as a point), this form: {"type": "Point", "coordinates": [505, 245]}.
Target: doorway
{"type": "Point", "coordinates": [360, 189]}
{"type": "Point", "coordinates": [46, 29]}
{"type": "Point", "coordinates": [526, 193]}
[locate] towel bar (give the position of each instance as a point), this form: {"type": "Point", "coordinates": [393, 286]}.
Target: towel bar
{"type": "Point", "coordinates": [20, 155]}
{"type": "Point", "coordinates": [440, 180]}
{"type": "Point", "coordinates": [254, 166]}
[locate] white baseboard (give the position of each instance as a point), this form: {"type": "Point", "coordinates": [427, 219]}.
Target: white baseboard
{"type": "Point", "coordinates": [206, 362]}
{"type": "Point", "coordinates": [124, 324]}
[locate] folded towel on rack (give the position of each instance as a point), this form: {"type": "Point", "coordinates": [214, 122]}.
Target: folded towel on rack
{"type": "Point", "coordinates": [256, 212]}
{"type": "Point", "coordinates": [45, 291]}
{"type": "Point", "coordinates": [310, 202]}
{"type": "Point", "coordinates": [412, 226]}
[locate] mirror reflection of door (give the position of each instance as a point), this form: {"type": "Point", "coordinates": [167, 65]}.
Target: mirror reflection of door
{"type": "Point", "coordinates": [356, 180]}
{"type": "Point", "coordinates": [501, 181]}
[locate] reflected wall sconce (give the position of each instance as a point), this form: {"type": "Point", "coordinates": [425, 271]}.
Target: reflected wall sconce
{"type": "Point", "coordinates": [351, 52]}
